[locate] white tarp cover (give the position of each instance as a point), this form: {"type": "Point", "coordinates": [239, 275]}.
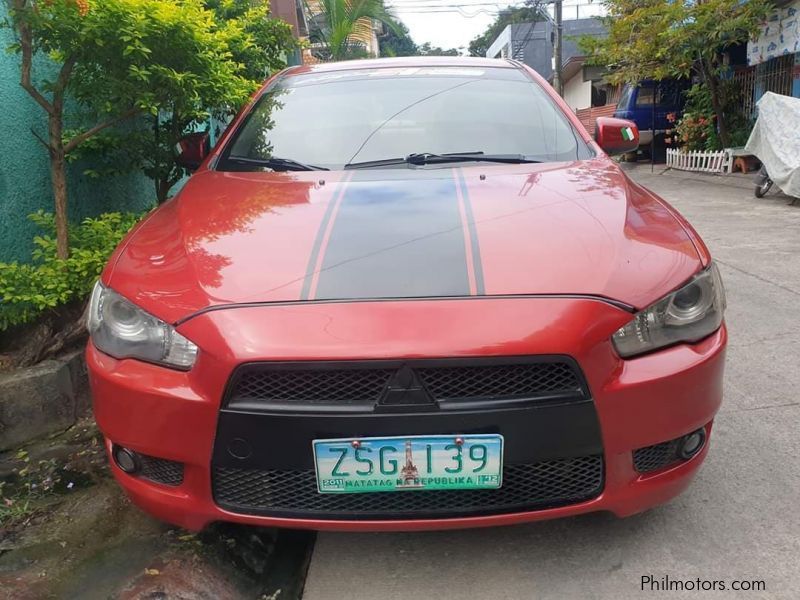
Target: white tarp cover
{"type": "Point", "coordinates": [775, 140]}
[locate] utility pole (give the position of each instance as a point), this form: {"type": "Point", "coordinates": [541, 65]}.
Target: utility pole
{"type": "Point", "coordinates": [558, 84]}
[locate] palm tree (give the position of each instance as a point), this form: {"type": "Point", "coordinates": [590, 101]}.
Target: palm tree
{"type": "Point", "coordinates": [345, 25]}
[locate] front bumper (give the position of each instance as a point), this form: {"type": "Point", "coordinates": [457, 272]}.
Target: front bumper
{"type": "Point", "coordinates": [634, 404]}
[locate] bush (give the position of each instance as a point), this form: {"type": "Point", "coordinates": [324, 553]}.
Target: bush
{"type": "Point", "coordinates": [48, 282]}
{"type": "Point", "coordinates": [697, 129]}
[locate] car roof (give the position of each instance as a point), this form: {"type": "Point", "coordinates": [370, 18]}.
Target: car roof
{"type": "Point", "coordinates": [403, 61]}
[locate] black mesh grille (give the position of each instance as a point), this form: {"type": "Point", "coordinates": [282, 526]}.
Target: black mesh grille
{"type": "Point", "coordinates": [364, 384]}
{"type": "Point", "coordinates": [499, 381]}
{"type": "Point", "coordinates": [161, 470]}
{"type": "Point", "coordinates": [652, 458]}
{"type": "Point", "coordinates": [294, 493]}
{"type": "Point", "coordinates": [340, 386]}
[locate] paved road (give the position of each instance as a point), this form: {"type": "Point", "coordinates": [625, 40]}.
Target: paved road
{"type": "Point", "coordinates": [739, 520]}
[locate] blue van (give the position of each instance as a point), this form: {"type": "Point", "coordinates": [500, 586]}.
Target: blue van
{"type": "Point", "coordinates": [636, 104]}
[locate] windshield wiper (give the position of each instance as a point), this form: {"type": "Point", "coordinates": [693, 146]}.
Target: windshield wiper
{"type": "Point", "coordinates": [427, 158]}
{"type": "Point", "coordinates": [274, 163]}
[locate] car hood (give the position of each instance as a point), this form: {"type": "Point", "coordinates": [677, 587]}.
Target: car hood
{"type": "Point", "coordinates": [559, 228]}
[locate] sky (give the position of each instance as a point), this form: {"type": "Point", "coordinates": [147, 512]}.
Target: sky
{"type": "Point", "coordinates": [445, 23]}
{"type": "Point", "coordinates": [454, 23]}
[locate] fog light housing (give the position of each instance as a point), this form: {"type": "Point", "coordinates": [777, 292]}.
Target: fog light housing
{"type": "Point", "coordinates": [692, 444]}
{"type": "Point", "coordinates": [126, 459]}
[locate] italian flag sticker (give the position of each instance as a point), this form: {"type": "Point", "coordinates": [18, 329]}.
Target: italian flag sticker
{"type": "Point", "coordinates": [627, 134]}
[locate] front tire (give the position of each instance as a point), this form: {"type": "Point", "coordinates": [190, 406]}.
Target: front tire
{"type": "Point", "coordinates": [763, 183]}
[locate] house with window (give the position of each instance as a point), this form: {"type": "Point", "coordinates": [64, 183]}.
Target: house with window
{"type": "Point", "coordinates": [293, 13]}
{"type": "Point", "coordinates": [532, 44]}
{"type": "Point", "coordinates": [773, 56]}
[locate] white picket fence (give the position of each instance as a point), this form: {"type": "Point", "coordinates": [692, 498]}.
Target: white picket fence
{"type": "Point", "coordinates": [720, 161]}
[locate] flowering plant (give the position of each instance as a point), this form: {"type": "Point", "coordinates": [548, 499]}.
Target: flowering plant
{"type": "Point", "coordinates": [697, 129]}
{"type": "Point", "coordinates": [694, 130]}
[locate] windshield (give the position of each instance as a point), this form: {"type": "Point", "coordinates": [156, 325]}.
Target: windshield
{"type": "Point", "coordinates": [329, 120]}
{"type": "Point", "coordinates": [625, 97]}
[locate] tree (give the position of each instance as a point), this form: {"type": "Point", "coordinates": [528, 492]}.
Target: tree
{"type": "Point", "coordinates": [59, 28]}
{"type": "Point", "coordinates": [659, 39]}
{"type": "Point", "coordinates": [397, 42]}
{"type": "Point", "coordinates": [427, 50]}
{"type": "Point", "coordinates": [259, 41]}
{"type": "Point", "coordinates": [256, 43]}
{"type": "Point", "coordinates": [340, 23]}
{"type": "Point", "coordinates": [529, 13]}
{"type": "Point", "coordinates": [116, 59]}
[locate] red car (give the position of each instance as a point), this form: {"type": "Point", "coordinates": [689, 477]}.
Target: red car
{"type": "Point", "coordinates": [407, 294]}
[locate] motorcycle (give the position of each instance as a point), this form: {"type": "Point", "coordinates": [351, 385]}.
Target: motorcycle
{"type": "Point", "coordinates": [763, 182]}
{"type": "Point", "coordinates": [774, 141]}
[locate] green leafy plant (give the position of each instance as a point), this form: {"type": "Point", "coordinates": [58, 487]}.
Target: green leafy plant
{"type": "Point", "coordinates": [397, 43]}
{"type": "Point", "coordinates": [341, 25]}
{"type": "Point", "coordinates": [28, 290]}
{"type": "Point", "coordinates": [427, 49]}
{"type": "Point", "coordinates": [215, 86]}
{"type": "Point", "coordinates": [697, 128]}
{"type": "Point", "coordinates": [257, 40]}
{"type": "Point", "coordinates": [175, 60]}
{"type": "Point", "coordinates": [660, 39]}
{"type": "Point", "coordinates": [252, 46]}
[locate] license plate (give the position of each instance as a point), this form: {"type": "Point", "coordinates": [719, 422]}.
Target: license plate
{"type": "Point", "coordinates": [409, 463]}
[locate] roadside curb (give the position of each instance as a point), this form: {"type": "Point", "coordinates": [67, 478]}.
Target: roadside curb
{"type": "Point", "coordinates": [744, 181]}
{"type": "Point", "coordinates": [41, 400]}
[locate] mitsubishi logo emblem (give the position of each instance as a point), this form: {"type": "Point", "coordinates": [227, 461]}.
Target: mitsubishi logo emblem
{"type": "Point", "coordinates": [405, 389]}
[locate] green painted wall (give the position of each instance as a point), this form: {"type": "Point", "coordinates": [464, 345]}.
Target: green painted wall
{"type": "Point", "coordinates": [24, 166]}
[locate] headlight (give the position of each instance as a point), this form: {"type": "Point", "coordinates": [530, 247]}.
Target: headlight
{"type": "Point", "coordinates": [123, 330]}
{"type": "Point", "coordinates": [686, 315]}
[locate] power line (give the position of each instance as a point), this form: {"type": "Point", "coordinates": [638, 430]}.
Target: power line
{"type": "Point", "coordinates": [462, 12]}
{"type": "Point", "coordinates": [398, 5]}
{"type": "Point", "coordinates": [390, 3]}
{"type": "Point", "coordinates": [481, 7]}
{"type": "Point", "coordinates": [429, 3]}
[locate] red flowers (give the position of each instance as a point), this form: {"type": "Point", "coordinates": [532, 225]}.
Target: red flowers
{"type": "Point", "coordinates": [83, 5]}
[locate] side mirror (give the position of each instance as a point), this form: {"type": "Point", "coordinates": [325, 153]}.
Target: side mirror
{"type": "Point", "coordinates": [616, 136]}
{"type": "Point", "coordinates": [192, 150]}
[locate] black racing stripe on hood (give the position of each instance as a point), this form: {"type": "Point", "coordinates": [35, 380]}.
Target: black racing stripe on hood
{"type": "Point", "coordinates": [395, 238]}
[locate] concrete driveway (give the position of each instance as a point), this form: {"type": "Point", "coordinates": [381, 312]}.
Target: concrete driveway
{"type": "Point", "coordinates": [739, 520]}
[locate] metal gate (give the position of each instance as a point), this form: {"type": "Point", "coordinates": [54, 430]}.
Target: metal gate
{"type": "Point", "coordinates": [774, 75]}
{"type": "Point", "coordinates": [746, 82]}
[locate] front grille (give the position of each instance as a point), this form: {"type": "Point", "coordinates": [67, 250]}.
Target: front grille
{"type": "Point", "coordinates": [161, 470]}
{"type": "Point", "coordinates": [499, 381]}
{"type": "Point", "coordinates": [658, 456]}
{"type": "Point", "coordinates": [294, 493]}
{"type": "Point", "coordinates": [311, 386]}
{"type": "Point", "coordinates": [365, 383]}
